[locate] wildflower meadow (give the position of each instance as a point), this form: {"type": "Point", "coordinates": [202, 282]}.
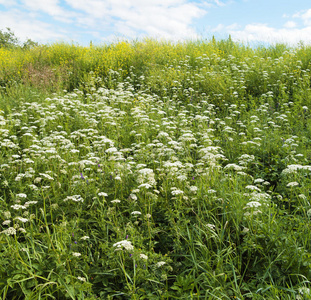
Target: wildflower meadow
{"type": "Point", "coordinates": [155, 170]}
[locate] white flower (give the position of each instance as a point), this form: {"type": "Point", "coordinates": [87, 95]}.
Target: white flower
{"type": "Point", "coordinates": [182, 177]}
{"type": "Point", "coordinates": [46, 176]}
{"type": "Point", "coordinates": [160, 264]}
{"type": "Point", "coordinates": [176, 191]}
{"type": "Point", "coordinates": [143, 256]}
{"type": "Point", "coordinates": [253, 204]}
{"type": "Point", "coordinates": [115, 201]}
{"type": "Point", "coordinates": [85, 238]}
{"type": "Point", "coordinates": [135, 213]}
{"type": "Point", "coordinates": [17, 206]}
{"type": "Point", "coordinates": [126, 244]}
{"type": "Point", "coordinates": [30, 202]}
{"type": "Point", "coordinates": [211, 191]}
{"type": "Point", "coordinates": [9, 231]}
{"type": "Point", "coordinates": [111, 150]}
{"type": "Point", "coordinates": [37, 179]}
{"type": "Point", "coordinates": [145, 185]}
{"type": "Point", "coordinates": [234, 167]}
{"type": "Point", "coordinates": [245, 230]}
{"type": "Point", "coordinates": [103, 194]}
{"type": "Point", "coordinates": [211, 226]}
{"type": "Point", "coordinates": [193, 189]}
{"type": "Point", "coordinates": [6, 222]}
{"type": "Point", "coordinates": [24, 220]}
{"type": "Point", "coordinates": [81, 278]}
{"type": "Point", "coordinates": [292, 184]}
{"type": "Point", "coordinates": [75, 198]}
{"type": "Point", "coordinates": [7, 214]}
{"type": "Point", "coordinates": [21, 196]}
{"type": "Point", "coordinates": [253, 188]}
{"type": "Point", "coordinates": [76, 254]}
{"type": "Point", "coordinates": [133, 197]}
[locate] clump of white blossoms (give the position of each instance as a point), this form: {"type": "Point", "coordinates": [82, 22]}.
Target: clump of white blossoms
{"type": "Point", "coordinates": [81, 278]}
{"type": "Point", "coordinates": [146, 175]}
{"type": "Point", "coordinates": [23, 220]}
{"type": "Point", "coordinates": [9, 231]}
{"type": "Point", "coordinates": [103, 194]}
{"type": "Point", "coordinates": [30, 202]}
{"type": "Point", "coordinates": [18, 206]}
{"type": "Point", "coordinates": [252, 204]}
{"type": "Point", "coordinates": [115, 201]}
{"type": "Point", "coordinates": [292, 184]}
{"type": "Point", "coordinates": [292, 169]}
{"type": "Point", "coordinates": [135, 212]}
{"type": "Point", "coordinates": [176, 191]}
{"type": "Point", "coordinates": [143, 256]}
{"type": "Point", "coordinates": [234, 167]}
{"type": "Point", "coordinates": [145, 185]}
{"type": "Point", "coordinates": [193, 189]}
{"type": "Point", "coordinates": [160, 264]}
{"type": "Point", "coordinates": [75, 198]}
{"type": "Point", "coordinates": [253, 188]}
{"type": "Point", "coordinates": [46, 176]}
{"type": "Point", "coordinates": [126, 244]}
{"type": "Point", "coordinates": [76, 254]}
{"type": "Point", "coordinates": [211, 226]}
{"type": "Point", "coordinates": [21, 196]}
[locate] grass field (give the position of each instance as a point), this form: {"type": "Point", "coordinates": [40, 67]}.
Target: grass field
{"type": "Point", "coordinates": [153, 170]}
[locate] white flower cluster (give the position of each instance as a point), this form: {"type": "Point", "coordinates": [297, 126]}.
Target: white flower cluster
{"type": "Point", "coordinates": [292, 169]}
{"type": "Point", "coordinates": [75, 198]}
{"type": "Point", "coordinates": [292, 184]}
{"type": "Point", "coordinates": [126, 244]}
{"type": "Point", "coordinates": [146, 175]}
{"type": "Point", "coordinates": [9, 231]}
{"type": "Point", "coordinates": [143, 256]}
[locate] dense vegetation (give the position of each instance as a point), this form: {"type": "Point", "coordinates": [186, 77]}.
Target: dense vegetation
{"type": "Point", "coordinates": [153, 170]}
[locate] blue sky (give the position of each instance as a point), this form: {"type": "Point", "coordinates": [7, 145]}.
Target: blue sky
{"type": "Point", "coordinates": [102, 21]}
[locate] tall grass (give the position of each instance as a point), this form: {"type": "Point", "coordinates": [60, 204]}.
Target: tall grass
{"type": "Point", "coordinates": [153, 170]}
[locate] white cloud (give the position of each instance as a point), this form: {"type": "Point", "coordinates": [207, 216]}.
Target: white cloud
{"type": "Point", "coordinates": [157, 18]}
{"type": "Point", "coordinates": [8, 3]}
{"type": "Point", "coordinates": [24, 26]}
{"type": "Point", "coordinates": [290, 24]}
{"type": "Point", "coordinates": [50, 7]}
{"type": "Point", "coordinates": [305, 16]}
{"type": "Point", "coordinates": [169, 19]}
{"type": "Point", "coordinates": [264, 33]}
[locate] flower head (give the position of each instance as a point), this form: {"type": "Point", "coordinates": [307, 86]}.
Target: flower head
{"type": "Point", "coordinates": [126, 244]}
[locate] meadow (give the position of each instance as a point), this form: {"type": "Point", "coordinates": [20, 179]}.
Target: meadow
{"type": "Point", "coordinates": [155, 170]}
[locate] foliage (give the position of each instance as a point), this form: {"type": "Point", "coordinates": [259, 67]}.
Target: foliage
{"type": "Point", "coordinates": [9, 40]}
{"type": "Point", "coordinates": [163, 171]}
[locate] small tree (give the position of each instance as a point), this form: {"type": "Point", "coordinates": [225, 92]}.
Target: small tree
{"type": "Point", "coordinates": [29, 44]}
{"type": "Point", "coordinates": [8, 39]}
